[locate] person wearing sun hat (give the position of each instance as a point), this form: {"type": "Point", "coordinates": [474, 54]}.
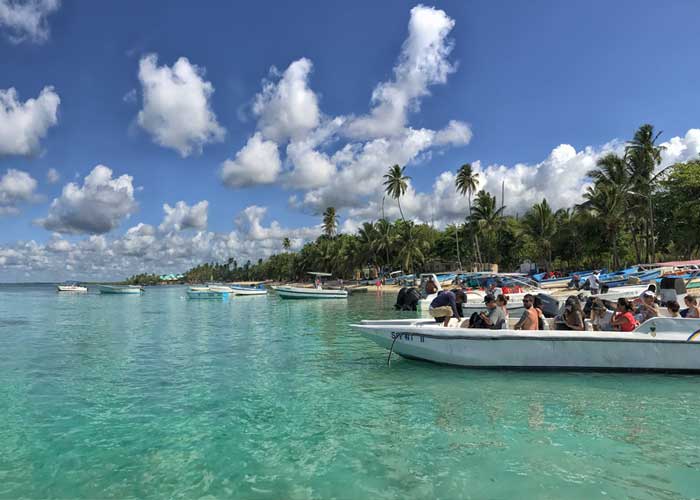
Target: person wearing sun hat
{"type": "Point", "coordinates": [647, 308]}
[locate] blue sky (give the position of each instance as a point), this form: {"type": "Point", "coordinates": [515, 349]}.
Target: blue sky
{"type": "Point", "coordinates": [531, 92]}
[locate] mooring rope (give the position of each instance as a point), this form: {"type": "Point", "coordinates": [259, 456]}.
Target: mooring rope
{"type": "Point", "coordinates": [395, 337]}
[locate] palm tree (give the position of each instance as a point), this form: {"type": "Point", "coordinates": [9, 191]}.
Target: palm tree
{"type": "Point", "coordinates": [415, 246]}
{"type": "Point", "coordinates": [286, 244]}
{"type": "Point", "coordinates": [385, 239]}
{"type": "Point", "coordinates": [485, 215]}
{"type": "Point", "coordinates": [542, 226]}
{"type": "Point", "coordinates": [466, 182]}
{"type": "Point", "coordinates": [606, 203]}
{"type": "Point", "coordinates": [367, 241]}
{"type": "Point", "coordinates": [395, 184]}
{"type": "Point", "coordinates": [642, 156]}
{"type": "Point", "coordinates": [330, 222]}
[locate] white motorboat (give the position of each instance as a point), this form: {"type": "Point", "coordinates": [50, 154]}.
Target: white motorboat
{"type": "Point", "coordinates": [72, 287]}
{"type": "Point", "coordinates": [297, 292]}
{"type": "Point", "coordinates": [120, 289]}
{"type": "Point", "coordinates": [666, 344]}
{"type": "Point", "coordinates": [248, 290]}
{"type": "Point", "coordinates": [317, 292]}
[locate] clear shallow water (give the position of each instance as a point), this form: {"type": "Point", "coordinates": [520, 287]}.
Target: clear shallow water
{"type": "Point", "coordinates": [158, 396]}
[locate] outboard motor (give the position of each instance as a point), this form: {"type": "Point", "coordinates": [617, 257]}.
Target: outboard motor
{"type": "Point", "coordinates": [550, 305]}
{"type": "Point", "coordinates": [407, 300]}
{"type": "Point", "coordinates": [671, 289]}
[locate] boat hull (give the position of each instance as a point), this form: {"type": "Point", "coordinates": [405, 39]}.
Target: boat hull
{"type": "Point", "coordinates": [291, 292]}
{"type": "Point", "coordinates": [71, 288]}
{"type": "Point", "coordinates": [207, 294]}
{"type": "Point", "coordinates": [120, 290]}
{"type": "Point", "coordinates": [248, 291]}
{"type": "Point", "coordinates": [539, 350]}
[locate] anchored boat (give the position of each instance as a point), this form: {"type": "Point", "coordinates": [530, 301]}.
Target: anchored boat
{"type": "Point", "coordinates": [207, 292]}
{"type": "Point", "coordinates": [120, 289]}
{"type": "Point", "coordinates": [317, 292]}
{"type": "Point", "coordinates": [71, 286]}
{"type": "Point", "coordinates": [666, 344]}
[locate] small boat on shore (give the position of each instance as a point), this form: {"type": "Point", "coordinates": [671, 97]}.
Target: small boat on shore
{"type": "Point", "coordinates": [72, 287]}
{"type": "Point", "coordinates": [120, 289]}
{"type": "Point", "coordinates": [659, 344]}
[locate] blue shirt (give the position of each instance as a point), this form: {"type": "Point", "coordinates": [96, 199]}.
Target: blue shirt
{"type": "Point", "coordinates": [446, 298]}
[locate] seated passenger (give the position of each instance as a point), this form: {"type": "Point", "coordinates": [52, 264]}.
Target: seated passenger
{"type": "Point", "coordinates": [493, 318]}
{"type": "Point", "coordinates": [572, 317]}
{"type": "Point", "coordinates": [601, 316]}
{"type": "Point", "coordinates": [529, 319]}
{"type": "Point", "coordinates": [444, 306]}
{"type": "Point", "coordinates": [623, 319]}
{"type": "Point", "coordinates": [502, 302]}
{"type": "Point", "coordinates": [647, 309]}
{"type": "Point", "coordinates": [673, 309]}
{"type": "Point", "coordinates": [430, 286]}
{"type": "Point", "coordinates": [693, 310]}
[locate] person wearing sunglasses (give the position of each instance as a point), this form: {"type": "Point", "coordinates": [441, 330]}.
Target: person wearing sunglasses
{"type": "Point", "coordinates": [529, 319]}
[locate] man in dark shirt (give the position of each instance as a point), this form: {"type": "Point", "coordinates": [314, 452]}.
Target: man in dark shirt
{"type": "Point", "coordinates": [444, 306]}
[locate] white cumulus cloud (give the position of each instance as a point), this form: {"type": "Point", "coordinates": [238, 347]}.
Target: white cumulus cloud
{"type": "Point", "coordinates": [288, 108]}
{"type": "Point", "coordinates": [16, 186]}
{"type": "Point", "coordinates": [183, 216]}
{"type": "Point", "coordinates": [24, 124]}
{"type": "Point", "coordinates": [26, 20]}
{"type": "Point", "coordinates": [96, 207]}
{"type": "Point", "coordinates": [423, 62]}
{"type": "Point", "coordinates": [176, 108]}
{"type": "Point", "coordinates": [257, 163]}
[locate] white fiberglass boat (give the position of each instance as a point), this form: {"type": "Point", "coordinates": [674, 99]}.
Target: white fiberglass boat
{"type": "Point", "coordinates": [317, 292]}
{"type": "Point", "coordinates": [297, 292]}
{"type": "Point", "coordinates": [71, 287]}
{"type": "Point", "coordinates": [248, 290]}
{"type": "Point", "coordinates": [120, 289]}
{"type": "Point", "coordinates": [667, 344]}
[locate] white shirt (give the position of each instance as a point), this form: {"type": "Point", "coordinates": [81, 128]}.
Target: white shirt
{"type": "Point", "coordinates": [594, 282]}
{"type": "Point", "coordinates": [603, 321]}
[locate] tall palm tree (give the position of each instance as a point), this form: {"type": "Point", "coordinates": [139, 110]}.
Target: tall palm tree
{"type": "Point", "coordinates": [541, 224]}
{"type": "Point", "coordinates": [395, 184]}
{"type": "Point", "coordinates": [486, 216]}
{"type": "Point", "coordinates": [286, 244]}
{"type": "Point", "coordinates": [330, 222]}
{"type": "Point", "coordinates": [367, 242]}
{"type": "Point", "coordinates": [643, 156]}
{"type": "Point", "coordinates": [466, 183]}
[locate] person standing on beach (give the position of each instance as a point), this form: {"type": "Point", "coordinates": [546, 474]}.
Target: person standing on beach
{"type": "Point", "coordinates": [594, 282]}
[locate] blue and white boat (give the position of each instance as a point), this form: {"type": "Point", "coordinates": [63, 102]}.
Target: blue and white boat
{"type": "Point", "coordinates": [248, 290]}
{"type": "Point", "coordinates": [207, 292]}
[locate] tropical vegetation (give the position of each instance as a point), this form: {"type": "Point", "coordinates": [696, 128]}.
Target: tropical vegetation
{"type": "Point", "coordinates": [629, 199]}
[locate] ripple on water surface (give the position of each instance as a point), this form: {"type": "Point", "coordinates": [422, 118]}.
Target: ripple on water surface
{"type": "Point", "coordinates": [256, 397]}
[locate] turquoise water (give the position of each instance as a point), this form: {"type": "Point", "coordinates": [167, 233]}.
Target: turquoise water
{"type": "Point", "coordinates": [159, 396]}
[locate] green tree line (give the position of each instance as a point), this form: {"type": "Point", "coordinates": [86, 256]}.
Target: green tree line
{"type": "Point", "coordinates": [632, 213]}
